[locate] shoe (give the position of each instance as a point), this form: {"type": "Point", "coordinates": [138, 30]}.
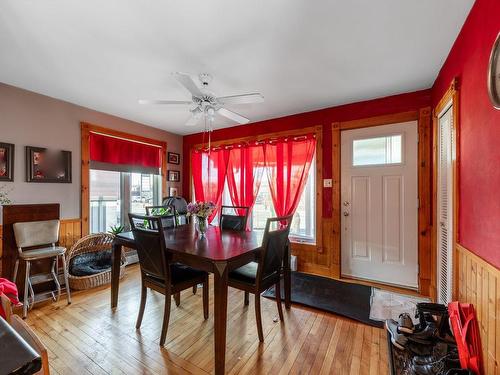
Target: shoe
{"type": "Point", "coordinates": [419, 349]}
{"type": "Point", "coordinates": [439, 351]}
{"type": "Point", "coordinates": [426, 336]}
{"type": "Point", "coordinates": [398, 340]}
{"type": "Point", "coordinates": [435, 368]}
{"type": "Point", "coordinates": [405, 324]}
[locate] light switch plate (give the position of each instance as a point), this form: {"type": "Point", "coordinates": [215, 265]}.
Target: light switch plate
{"type": "Point", "coordinates": [327, 182]}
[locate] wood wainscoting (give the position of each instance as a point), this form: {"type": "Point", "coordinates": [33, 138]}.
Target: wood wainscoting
{"type": "Point", "coordinates": [70, 231]}
{"type": "Point", "coordinates": [478, 282]}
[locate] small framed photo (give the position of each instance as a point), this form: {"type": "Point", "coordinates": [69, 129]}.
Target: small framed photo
{"type": "Point", "coordinates": [173, 158]}
{"type": "Point", "coordinates": [6, 162]}
{"type": "Point", "coordinates": [174, 176]}
{"type": "Point", "coordinates": [43, 165]}
{"type": "Point", "coordinates": [173, 192]}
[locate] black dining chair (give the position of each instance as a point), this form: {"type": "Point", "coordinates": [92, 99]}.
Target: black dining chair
{"type": "Point", "coordinates": [167, 213]}
{"type": "Point", "coordinates": [256, 277]}
{"type": "Point", "coordinates": [230, 219]}
{"type": "Point", "coordinates": [158, 272]}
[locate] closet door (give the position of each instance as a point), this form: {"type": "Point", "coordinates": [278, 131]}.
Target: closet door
{"type": "Point", "coordinates": [445, 201]}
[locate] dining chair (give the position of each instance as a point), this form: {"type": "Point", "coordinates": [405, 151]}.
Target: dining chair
{"type": "Point", "coordinates": [158, 272]}
{"type": "Point", "coordinates": [256, 277]}
{"type": "Point", "coordinates": [231, 219]}
{"type": "Point", "coordinates": [169, 220]}
{"type": "Point", "coordinates": [36, 240]}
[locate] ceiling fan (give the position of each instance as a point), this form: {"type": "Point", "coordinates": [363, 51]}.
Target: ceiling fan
{"type": "Point", "coordinates": [205, 102]}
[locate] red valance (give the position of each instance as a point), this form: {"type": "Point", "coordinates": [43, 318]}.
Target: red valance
{"type": "Point", "coordinates": [118, 151]}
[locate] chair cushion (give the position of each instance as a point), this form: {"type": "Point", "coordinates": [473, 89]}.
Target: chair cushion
{"type": "Point", "coordinates": [44, 252]}
{"type": "Point", "coordinates": [90, 263]}
{"type": "Point", "coordinates": [179, 273]}
{"type": "Point", "coordinates": [246, 274]}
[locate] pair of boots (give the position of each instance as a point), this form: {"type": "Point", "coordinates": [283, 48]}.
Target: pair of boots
{"type": "Point", "coordinates": [430, 342]}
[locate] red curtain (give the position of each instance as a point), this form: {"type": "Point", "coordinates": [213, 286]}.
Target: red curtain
{"type": "Point", "coordinates": [244, 174]}
{"type": "Point", "coordinates": [209, 174]}
{"type": "Point", "coordinates": [106, 149]}
{"type": "Point", "coordinates": [287, 163]}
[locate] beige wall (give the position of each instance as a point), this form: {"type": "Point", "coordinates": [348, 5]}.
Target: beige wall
{"type": "Point", "coordinates": [30, 119]}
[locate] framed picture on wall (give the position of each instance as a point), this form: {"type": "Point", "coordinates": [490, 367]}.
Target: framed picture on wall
{"type": "Point", "coordinates": [6, 162]}
{"type": "Point", "coordinates": [173, 158]}
{"type": "Point", "coordinates": [44, 165]}
{"type": "Point", "coordinates": [173, 192]}
{"type": "Point", "coordinates": [174, 176]}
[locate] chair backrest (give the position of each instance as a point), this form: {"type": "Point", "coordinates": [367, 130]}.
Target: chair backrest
{"type": "Point", "coordinates": [148, 235]}
{"type": "Point", "coordinates": [36, 233]}
{"type": "Point", "coordinates": [166, 213]}
{"type": "Point", "coordinates": [234, 217]}
{"type": "Point", "coordinates": [180, 205]}
{"type": "Point", "coordinates": [274, 244]}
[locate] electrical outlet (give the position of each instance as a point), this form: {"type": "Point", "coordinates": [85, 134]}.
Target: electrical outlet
{"type": "Point", "coordinates": [327, 182]}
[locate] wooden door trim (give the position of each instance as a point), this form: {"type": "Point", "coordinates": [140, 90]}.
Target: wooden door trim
{"type": "Point", "coordinates": [86, 129]}
{"type": "Point", "coordinates": [424, 158]}
{"type": "Point", "coordinates": [450, 96]}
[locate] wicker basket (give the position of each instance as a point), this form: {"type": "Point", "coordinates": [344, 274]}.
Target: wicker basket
{"type": "Point", "coordinates": [89, 244]}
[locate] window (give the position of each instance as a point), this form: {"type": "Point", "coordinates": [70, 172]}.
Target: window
{"type": "Point", "coordinates": [107, 191]}
{"type": "Point", "coordinates": [304, 221]}
{"type": "Point", "coordinates": [377, 151]}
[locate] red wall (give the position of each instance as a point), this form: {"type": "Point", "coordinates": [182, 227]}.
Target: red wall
{"type": "Point", "coordinates": [479, 127]}
{"type": "Point", "coordinates": [324, 117]}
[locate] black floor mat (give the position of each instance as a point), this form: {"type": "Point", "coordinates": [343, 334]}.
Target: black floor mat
{"type": "Point", "coordinates": [346, 299]}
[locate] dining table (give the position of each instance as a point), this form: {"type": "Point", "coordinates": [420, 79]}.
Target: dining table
{"type": "Point", "coordinates": [218, 252]}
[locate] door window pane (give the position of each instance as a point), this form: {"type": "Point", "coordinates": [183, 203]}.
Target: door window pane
{"type": "Point", "coordinates": [377, 151]}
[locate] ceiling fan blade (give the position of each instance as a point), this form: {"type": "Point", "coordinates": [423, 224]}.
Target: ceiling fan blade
{"type": "Point", "coordinates": [233, 116]}
{"type": "Point", "coordinates": [193, 120]}
{"type": "Point", "coordinates": [147, 101]}
{"type": "Point", "coordinates": [187, 81]}
{"type": "Point", "coordinates": [241, 99]}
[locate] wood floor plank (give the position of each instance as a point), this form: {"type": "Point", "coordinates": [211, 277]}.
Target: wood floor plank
{"type": "Point", "coordinates": [87, 337]}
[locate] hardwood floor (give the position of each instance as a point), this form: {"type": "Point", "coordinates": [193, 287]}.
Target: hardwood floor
{"type": "Point", "coordinates": [86, 337]}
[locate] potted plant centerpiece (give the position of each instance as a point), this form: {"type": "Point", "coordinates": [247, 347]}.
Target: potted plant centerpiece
{"type": "Point", "coordinates": [201, 210]}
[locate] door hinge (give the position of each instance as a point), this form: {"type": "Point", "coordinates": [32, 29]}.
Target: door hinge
{"type": "Point", "coordinates": [418, 203]}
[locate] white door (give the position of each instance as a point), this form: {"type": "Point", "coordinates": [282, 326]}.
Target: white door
{"type": "Point", "coordinates": [446, 155]}
{"type": "Point", "coordinates": [379, 204]}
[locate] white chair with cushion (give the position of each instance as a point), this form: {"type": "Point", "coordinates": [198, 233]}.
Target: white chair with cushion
{"type": "Point", "coordinates": [39, 238]}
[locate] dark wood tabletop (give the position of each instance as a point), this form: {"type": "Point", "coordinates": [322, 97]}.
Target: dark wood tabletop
{"type": "Point", "coordinates": [219, 252]}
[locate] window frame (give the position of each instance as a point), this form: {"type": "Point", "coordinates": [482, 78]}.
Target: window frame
{"type": "Point", "coordinates": [87, 128]}
{"type": "Point", "coordinates": [318, 132]}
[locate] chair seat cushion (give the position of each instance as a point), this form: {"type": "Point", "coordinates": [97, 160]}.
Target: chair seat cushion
{"type": "Point", "coordinates": [179, 273]}
{"type": "Point", "coordinates": [246, 274]}
{"type": "Point", "coordinates": [90, 263]}
{"type": "Point", "coordinates": [44, 252]}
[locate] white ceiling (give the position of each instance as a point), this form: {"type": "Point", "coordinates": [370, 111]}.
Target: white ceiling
{"type": "Point", "coordinates": [301, 55]}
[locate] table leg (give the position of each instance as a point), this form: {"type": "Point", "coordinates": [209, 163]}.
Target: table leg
{"type": "Point", "coordinates": [115, 273]}
{"type": "Point", "coordinates": [287, 278]}
{"type": "Point", "coordinates": [220, 316]}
